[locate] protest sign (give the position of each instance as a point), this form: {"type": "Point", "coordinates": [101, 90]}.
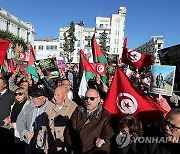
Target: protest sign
{"type": "Point", "coordinates": [49, 67]}
{"type": "Point", "coordinates": [162, 79]}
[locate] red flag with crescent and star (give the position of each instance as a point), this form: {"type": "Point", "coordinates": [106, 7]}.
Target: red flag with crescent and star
{"type": "Point", "coordinates": [100, 68]}
{"type": "Point", "coordinates": [125, 98]}
{"type": "Point", "coordinates": [22, 55]}
{"type": "Point", "coordinates": [135, 59]}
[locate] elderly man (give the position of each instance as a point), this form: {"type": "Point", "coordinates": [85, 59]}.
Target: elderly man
{"type": "Point", "coordinates": [50, 88]}
{"type": "Point", "coordinates": [29, 122]}
{"type": "Point", "coordinates": [170, 139]}
{"type": "Point", "coordinates": [57, 117]}
{"type": "Point", "coordinates": [89, 130]}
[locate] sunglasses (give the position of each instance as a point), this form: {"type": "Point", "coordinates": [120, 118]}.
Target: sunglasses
{"type": "Point", "coordinates": [170, 125]}
{"type": "Point", "coordinates": [91, 98]}
{"type": "Point", "coordinates": [20, 94]}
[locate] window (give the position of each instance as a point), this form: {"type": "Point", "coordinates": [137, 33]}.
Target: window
{"type": "Point", "coordinates": [34, 47]}
{"type": "Point", "coordinates": [89, 44]}
{"type": "Point", "coordinates": [51, 47]}
{"type": "Point", "coordinates": [18, 31]}
{"type": "Point", "coordinates": [79, 34]}
{"type": "Point", "coordinates": [40, 47]}
{"type": "Point", "coordinates": [78, 43]}
{"type": "Point", "coordinates": [159, 45]}
{"type": "Point", "coordinates": [101, 25]}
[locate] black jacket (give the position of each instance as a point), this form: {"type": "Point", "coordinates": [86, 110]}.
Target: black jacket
{"type": "Point", "coordinates": [6, 100]}
{"type": "Point", "coordinates": [161, 148]}
{"type": "Point", "coordinates": [48, 87]}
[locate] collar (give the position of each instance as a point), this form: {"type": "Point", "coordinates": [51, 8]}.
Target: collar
{"type": "Point", "coordinates": [3, 92]}
{"type": "Point", "coordinates": [60, 106]}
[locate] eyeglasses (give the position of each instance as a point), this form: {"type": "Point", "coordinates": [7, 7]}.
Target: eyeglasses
{"type": "Point", "coordinates": [170, 125]}
{"type": "Point", "coordinates": [20, 94]}
{"type": "Point", "coordinates": [91, 98]}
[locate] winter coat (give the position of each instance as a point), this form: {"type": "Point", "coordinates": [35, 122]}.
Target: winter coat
{"type": "Point", "coordinates": [54, 124]}
{"type": "Point", "coordinates": [6, 100]}
{"type": "Point", "coordinates": [83, 130]}
{"type": "Point", "coordinates": [30, 120]}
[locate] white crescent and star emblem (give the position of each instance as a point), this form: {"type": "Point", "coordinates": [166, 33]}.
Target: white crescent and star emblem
{"type": "Point", "coordinates": [126, 103]}
{"type": "Point", "coordinates": [21, 55]}
{"type": "Point", "coordinates": [133, 55]}
{"type": "Point", "coordinates": [100, 68]}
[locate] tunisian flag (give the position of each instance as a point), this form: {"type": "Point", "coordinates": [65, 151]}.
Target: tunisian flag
{"type": "Point", "coordinates": [124, 98]}
{"type": "Point", "coordinates": [135, 59]}
{"type": "Point", "coordinates": [11, 66]}
{"type": "Point", "coordinates": [4, 45]}
{"type": "Point", "coordinates": [22, 55]}
{"type": "Point", "coordinates": [100, 68]}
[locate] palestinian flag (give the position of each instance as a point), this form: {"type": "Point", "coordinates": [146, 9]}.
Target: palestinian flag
{"type": "Point", "coordinates": [86, 66]}
{"type": "Point", "coordinates": [98, 56]}
{"type": "Point", "coordinates": [5, 67]}
{"type": "Point", "coordinates": [31, 69]}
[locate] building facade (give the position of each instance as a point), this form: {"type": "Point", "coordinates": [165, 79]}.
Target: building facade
{"type": "Point", "coordinates": [114, 27]}
{"type": "Point", "coordinates": [152, 47]}
{"type": "Point", "coordinates": [46, 48]}
{"type": "Point", "coordinates": [16, 26]}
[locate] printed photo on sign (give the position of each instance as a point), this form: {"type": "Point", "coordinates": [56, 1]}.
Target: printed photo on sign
{"type": "Point", "coordinates": [23, 67]}
{"type": "Point", "coordinates": [162, 79]}
{"type": "Point", "coordinates": [49, 67]}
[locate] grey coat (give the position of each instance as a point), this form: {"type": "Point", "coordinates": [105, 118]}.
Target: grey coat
{"type": "Point", "coordinates": [30, 120]}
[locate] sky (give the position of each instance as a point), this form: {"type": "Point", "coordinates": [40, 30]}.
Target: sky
{"type": "Point", "coordinates": [144, 18]}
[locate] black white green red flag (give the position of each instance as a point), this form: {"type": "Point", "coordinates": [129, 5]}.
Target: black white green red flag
{"type": "Point", "coordinates": [98, 56]}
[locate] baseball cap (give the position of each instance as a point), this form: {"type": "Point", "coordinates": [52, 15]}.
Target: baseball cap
{"type": "Point", "coordinates": [38, 92]}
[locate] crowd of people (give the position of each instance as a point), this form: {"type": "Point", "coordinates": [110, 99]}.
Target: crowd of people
{"type": "Point", "coordinates": [48, 117]}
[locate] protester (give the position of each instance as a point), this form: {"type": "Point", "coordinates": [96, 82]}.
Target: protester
{"type": "Point", "coordinates": [57, 117]}
{"type": "Point", "coordinates": [129, 127]}
{"type": "Point", "coordinates": [29, 122]}
{"type": "Point", "coordinates": [6, 100]}
{"type": "Point", "coordinates": [50, 88]}
{"type": "Point", "coordinates": [66, 82]}
{"type": "Point", "coordinates": [21, 98]}
{"type": "Point", "coordinates": [89, 129]}
{"type": "Point", "coordinates": [170, 134]}
{"type": "Point", "coordinates": [26, 82]}
{"type": "Point", "coordinates": [96, 83]}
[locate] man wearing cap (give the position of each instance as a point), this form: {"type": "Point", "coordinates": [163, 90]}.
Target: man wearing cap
{"type": "Point", "coordinates": [29, 122]}
{"type": "Point", "coordinates": [89, 130]}
{"type": "Point", "coordinates": [57, 116]}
